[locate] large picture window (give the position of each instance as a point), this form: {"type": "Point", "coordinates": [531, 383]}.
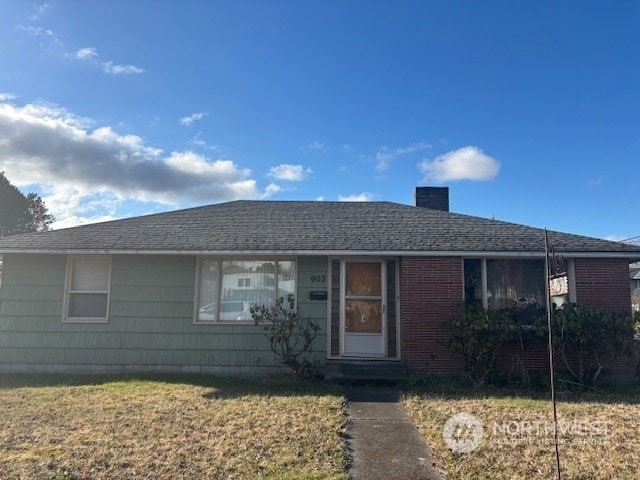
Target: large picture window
{"type": "Point", "coordinates": [228, 288]}
{"type": "Point", "coordinates": [517, 285]}
{"type": "Point", "coordinates": [87, 288]}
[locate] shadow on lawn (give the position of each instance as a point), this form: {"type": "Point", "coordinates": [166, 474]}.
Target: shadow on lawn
{"type": "Point", "coordinates": [458, 388]}
{"type": "Point", "coordinates": [221, 387]}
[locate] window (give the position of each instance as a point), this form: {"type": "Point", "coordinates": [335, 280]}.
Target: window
{"type": "Point", "coordinates": [512, 283]}
{"type": "Point", "coordinates": [517, 285]}
{"type": "Point", "coordinates": [87, 288]}
{"type": "Point", "coordinates": [228, 288]}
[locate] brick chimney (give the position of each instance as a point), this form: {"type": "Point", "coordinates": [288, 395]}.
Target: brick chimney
{"type": "Point", "coordinates": [436, 198]}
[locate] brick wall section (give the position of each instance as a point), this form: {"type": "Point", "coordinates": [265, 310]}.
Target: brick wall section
{"type": "Point", "coordinates": [600, 283]}
{"type": "Point", "coordinates": [603, 283]}
{"type": "Point", "coordinates": [430, 291]}
{"type": "Point", "coordinates": [391, 310]}
{"type": "Point", "coordinates": [534, 357]}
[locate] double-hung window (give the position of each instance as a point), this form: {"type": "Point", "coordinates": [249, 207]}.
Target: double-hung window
{"type": "Point", "coordinates": [228, 288]}
{"type": "Point", "coordinates": [87, 288]}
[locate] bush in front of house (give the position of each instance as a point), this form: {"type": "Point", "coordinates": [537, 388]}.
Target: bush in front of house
{"type": "Point", "coordinates": [290, 334]}
{"type": "Point", "coordinates": [589, 340]}
{"type": "Point", "coordinates": [480, 335]}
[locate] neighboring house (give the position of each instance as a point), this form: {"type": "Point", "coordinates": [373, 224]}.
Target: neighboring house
{"type": "Point", "coordinates": [634, 281]}
{"type": "Point", "coordinates": [170, 292]}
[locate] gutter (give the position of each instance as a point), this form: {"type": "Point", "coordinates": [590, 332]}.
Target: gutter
{"type": "Point", "coordinates": [632, 256]}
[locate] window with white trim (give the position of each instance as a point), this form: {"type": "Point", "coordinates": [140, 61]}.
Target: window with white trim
{"type": "Point", "coordinates": [516, 285]}
{"type": "Point", "coordinates": [87, 288]}
{"type": "Point", "coordinates": [228, 288]}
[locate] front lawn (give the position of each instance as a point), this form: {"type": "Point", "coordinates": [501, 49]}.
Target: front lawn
{"type": "Point", "coordinates": [167, 427]}
{"type": "Point", "coordinates": [601, 438]}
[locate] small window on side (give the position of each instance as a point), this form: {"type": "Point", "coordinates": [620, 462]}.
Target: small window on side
{"type": "Point", "coordinates": [87, 288]}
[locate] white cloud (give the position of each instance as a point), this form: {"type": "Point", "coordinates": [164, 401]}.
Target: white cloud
{"type": "Point", "coordinates": [346, 147]}
{"type": "Point", "coordinates": [386, 155]}
{"type": "Point", "coordinates": [316, 147]}
{"type": "Point", "coordinates": [615, 238]}
{"type": "Point", "coordinates": [191, 119]}
{"type": "Point", "coordinates": [290, 173]}
{"type": "Point", "coordinates": [39, 11]}
{"type": "Point", "coordinates": [357, 197]}
{"type": "Point", "coordinates": [73, 207]}
{"type": "Point", "coordinates": [7, 97]}
{"type": "Point", "coordinates": [197, 140]}
{"type": "Point", "coordinates": [77, 220]}
{"type": "Point", "coordinates": [270, 190]}
{"type": "Point", "coordinates": [466, 163]}
{"type": "Point", "coordinates": [40, 32]}
{"type": "Point", "coordinates": [112, 69]}
{"type": "Point", "coordinates": [86, 53]}
{"type": "Point", "coordinates": [79, 167]}
{"type": "Point", "coordinates": [89, 54]}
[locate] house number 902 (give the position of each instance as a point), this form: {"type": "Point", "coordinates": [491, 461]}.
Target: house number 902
{"type": "Point", "coordinates": [318, 278]}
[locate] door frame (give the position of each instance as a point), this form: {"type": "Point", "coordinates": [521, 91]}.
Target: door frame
{"type": "Point", "coordinates": [383, 288]}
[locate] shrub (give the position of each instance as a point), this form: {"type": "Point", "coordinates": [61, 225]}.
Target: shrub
{"type": "Point", "coordinates": [480, 335]}
{"type": "Point", "coordinates": [589, 340]}
{"type": "Point", "coordinates": [290, 334]}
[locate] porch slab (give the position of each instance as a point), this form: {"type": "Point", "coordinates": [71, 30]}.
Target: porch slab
{"type": "Point", "coordinates": [348, 370]}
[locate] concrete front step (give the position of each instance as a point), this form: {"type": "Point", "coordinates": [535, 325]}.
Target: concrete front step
{"type": "Point", "coordinates": [365, 370]}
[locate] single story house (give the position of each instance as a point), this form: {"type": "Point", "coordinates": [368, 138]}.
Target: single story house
{"type": "Point", "coordinates": [171, 291]}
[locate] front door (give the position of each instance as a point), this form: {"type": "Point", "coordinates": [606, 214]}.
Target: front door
{"type": "Point", "coordinates": [363, 309]}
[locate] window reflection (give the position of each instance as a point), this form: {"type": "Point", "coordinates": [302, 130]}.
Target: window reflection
{"type": "Point", "coordinates": [242, 285]}
{"type": "Point", "coordinates": [516, 285]}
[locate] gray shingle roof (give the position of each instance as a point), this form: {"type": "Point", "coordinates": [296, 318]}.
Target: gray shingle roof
{"type": "Point", "coordinates": [266, 226]}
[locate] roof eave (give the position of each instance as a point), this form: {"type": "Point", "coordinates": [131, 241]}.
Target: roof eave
{"type": "Point", "coordinates": [632, 256]}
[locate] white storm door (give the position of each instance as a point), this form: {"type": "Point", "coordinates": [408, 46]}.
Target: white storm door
{"type": "Point", "coordinates": [363, 309]}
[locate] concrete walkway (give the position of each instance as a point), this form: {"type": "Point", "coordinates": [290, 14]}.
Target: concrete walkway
{"type": "Point", "coordinates": [382, 440]}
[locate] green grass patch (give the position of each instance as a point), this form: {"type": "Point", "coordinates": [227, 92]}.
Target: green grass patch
{"type": "Point", "coordinates": [99, 427]}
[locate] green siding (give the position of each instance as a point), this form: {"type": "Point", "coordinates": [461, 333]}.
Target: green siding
{"type": "Point", "coordinates": [150, 317]}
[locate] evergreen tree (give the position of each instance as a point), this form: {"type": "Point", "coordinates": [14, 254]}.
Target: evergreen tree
{"type": "Point", "coordinates": [20, 213]}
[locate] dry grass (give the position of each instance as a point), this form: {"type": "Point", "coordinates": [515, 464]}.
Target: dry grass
{"type": "Point", "coordinates": [168, 428]}
{"type": "Point", "coordinates": [586, 454]}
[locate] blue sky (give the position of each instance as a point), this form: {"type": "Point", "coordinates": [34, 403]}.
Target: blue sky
{"type": "Point", "coordinates": [528, 111]}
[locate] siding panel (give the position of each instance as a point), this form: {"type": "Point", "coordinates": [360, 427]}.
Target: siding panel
{"type": "Point", "coordinates": [151, 317]}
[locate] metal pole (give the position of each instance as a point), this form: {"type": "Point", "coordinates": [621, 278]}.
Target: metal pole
{"type": "Point", "coordinates": [551, 365]}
